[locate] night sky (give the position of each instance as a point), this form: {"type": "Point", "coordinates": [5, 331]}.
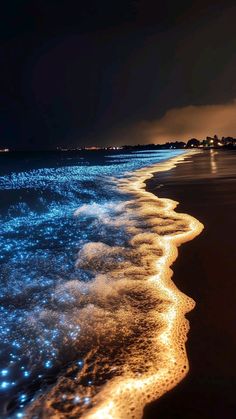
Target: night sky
{"type": "Point", "coordinates": [79, 73]}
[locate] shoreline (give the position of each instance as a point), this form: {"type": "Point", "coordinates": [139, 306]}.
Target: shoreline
{"type": "Point", "coordinates": [205, 187]}
{"type": "Point", "coordinates": [112, 400]}
{"type": "Point", "coordinates": [141, 214]}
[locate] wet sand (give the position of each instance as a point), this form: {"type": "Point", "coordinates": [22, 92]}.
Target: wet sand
{"type": "Point", "coordinates": [205, 186]}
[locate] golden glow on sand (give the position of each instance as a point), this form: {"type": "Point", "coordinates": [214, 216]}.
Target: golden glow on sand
{"type": "Point", "coordinates": [124, 397]}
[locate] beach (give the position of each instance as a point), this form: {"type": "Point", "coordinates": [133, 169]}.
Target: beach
{"type": "Point", "coordinates": [74, 253]}
{"type": "Point", "coordinates": [121, 238]}
{"type": "Point", "coordinates": [205, 187]}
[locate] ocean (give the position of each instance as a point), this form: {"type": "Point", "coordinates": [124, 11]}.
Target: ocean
{"type": "Point", "coordinates": [91, 324]}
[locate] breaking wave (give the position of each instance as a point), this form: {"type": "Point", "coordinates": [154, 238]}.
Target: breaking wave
{"type": "Point", "coordinates": [130, 315]}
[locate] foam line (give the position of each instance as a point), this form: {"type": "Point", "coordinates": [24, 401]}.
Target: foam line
{"type": "Point", "coordinates": [125, 396]}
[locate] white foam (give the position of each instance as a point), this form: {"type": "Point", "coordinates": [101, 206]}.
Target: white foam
{"type": "Point", "coordinates": [131, 315]}
{"type": "Point", "coordinates": [126, 396]}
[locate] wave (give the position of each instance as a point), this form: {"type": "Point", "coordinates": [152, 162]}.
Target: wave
{"type": "Point", "coordinates": [130, 317]}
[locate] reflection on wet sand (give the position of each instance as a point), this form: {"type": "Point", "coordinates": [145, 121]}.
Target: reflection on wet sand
{"type": "Point", "coordinates": [213, 161]}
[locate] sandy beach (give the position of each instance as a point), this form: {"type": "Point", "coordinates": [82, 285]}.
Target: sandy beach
{"type": "Point", "coordinates": [205, 187]}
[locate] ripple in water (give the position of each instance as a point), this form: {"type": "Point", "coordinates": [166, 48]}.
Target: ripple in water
{"type": "Point", "coordinates": [99, 331]}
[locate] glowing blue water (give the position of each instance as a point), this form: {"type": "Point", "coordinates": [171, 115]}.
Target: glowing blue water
{"type": "Point", "coordinates": [39, 241]}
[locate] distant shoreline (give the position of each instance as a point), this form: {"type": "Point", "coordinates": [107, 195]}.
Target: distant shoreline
{"type": "Point", "coordinates": [227, 144]}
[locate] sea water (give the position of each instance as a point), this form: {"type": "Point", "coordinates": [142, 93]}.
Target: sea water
{"type": "Point", "coordinates": [85, 315]}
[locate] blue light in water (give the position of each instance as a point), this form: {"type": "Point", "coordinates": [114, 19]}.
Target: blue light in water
{"type": "Point", "coordinates": [4, 373]}
{"type": "Point", "coordinates": [22, 398]}
{"type": "Point", "coordinates": [87, 400]}
{"type": "Point", "coordinates": [80, 363]}
{"type": "Point", "coordinates": [4, 385]}
{"type": "Point", "coordinates": [39, 240]}
{"type": "Point", "coordinates": [76, 399]}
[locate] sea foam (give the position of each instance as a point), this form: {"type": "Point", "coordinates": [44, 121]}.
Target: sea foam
{"type": "Point", "coordinates": [130, 315]}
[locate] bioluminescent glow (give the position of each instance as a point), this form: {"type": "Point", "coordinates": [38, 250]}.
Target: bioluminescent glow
{"type": "Point", "coordinates": [86, 289]}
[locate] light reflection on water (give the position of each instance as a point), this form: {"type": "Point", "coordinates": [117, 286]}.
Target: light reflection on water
{"type": "Point", "coordinates": [213, 162]}
{"type": "Point", "coordinates": [40, 237]}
